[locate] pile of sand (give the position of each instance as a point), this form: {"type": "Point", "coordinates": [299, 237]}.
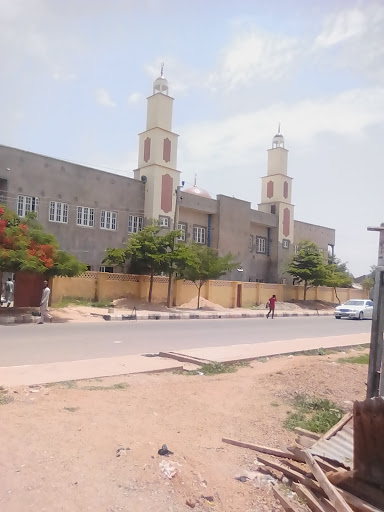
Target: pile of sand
{"type": "Point", "coordinates": [204, 304]}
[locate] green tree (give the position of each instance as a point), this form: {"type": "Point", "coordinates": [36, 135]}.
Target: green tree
{"type": "Point", "coordinates": [24, 245]}
{"type": "Point", "coordinates": [338, 276]}
{"type": "Point", "coordinates": [308, 266]}
{"type": "Point", "coordinates": [146, 252]}
{"type": "Point", "coordinates": [199, 264]}
{"type": "Point", "coordinates": [368, 282]}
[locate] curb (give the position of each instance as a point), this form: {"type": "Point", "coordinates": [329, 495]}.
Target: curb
{"type": "Point", "coordinates": [203, 316]}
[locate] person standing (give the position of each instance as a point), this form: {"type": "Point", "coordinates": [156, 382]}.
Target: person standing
{"type": "Point", "coordinates": [271, 305]}
{"type": "Point", "coordinates": [9, 289]}
{"type": "Point", "coordinates": [44, 303]}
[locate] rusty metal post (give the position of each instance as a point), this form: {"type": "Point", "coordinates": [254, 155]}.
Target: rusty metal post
{"type": "Point", "coordinates": [375, 383]}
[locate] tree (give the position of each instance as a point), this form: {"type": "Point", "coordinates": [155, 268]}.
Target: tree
{"type": "Point", "coordinates": [25, 246]}
{"type": "Point", "coordinates": [369, 281]}
{"type": "Point", "coordinates": [200, 264]}
{"type": "Point", "coordinates": [146, 252]}
{"type": "Point", "coordinates": [338, 276]}
{"type": "Point", "coordinates": [308, 266]}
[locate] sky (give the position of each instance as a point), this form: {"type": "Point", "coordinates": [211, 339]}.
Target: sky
{"type": "Point", "coordinates": [75, 75]}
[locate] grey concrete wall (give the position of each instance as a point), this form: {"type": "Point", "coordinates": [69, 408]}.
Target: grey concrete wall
{"type": "Point", "coordinates": [50, 179]}
{"type": "Point", "coordinates": [320, 235]}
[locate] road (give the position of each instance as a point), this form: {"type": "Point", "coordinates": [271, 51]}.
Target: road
{"type": "Point", "coordinates": [33, 344]}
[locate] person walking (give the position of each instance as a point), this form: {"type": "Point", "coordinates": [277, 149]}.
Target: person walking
{"type": "Point", "coordinates": [44, 303]}
{"type": "Point", "coordinates": [271, 305]}
{"type": "Point", "coordinates": [9, 289]}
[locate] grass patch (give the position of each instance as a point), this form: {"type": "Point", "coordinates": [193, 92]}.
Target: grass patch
{"type": "Point", "coordinates": [5, 398]}
{"type": "Point", "coordinates": [361, 359]}
{"type": "Point", "coordinates": [71, 409]}
{"type": "Point", "coordinates": [274, 404]}
{"type": "Point", "coordinates": [312, 413]}
{"type": "Point", "coordinates": [72, 301]}
{"type": "Point", "coordinates": [66, 384]}
{"type": "Point", "coordinates": [216, 369]}
{"type": "Point", "coordinates": [119, 385]}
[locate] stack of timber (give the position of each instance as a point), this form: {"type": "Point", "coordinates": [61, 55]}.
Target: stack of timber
{"type": "Point", "coordinates": [342, 470]}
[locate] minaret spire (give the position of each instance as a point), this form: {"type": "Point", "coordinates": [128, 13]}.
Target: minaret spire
{"type": "Point", "coordinates": [162, 70]}
{"type": "Point", "coordinates": [195, 181]}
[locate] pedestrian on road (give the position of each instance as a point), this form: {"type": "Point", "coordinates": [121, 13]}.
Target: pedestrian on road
{"type": "Point", "coordinates": [9, 289]}
{"type": "Point", "coordinates": [271, 305]}
{"type": "Point", "coordinates": [44, 303]}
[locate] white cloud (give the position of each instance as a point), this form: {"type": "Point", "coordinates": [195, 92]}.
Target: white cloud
{"type": "Point", "coordinates": [252, 56]}
{"type": "Point", "coordinates": [134, 98]}
{"type": "Point", "coordinates": [103, 98]}
{"type": "Point", "coordinates": [341, 26]}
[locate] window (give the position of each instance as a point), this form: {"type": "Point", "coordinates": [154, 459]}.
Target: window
{"type": "Point", "coordinates": [273, 209]}
{"type": "Point", "coordinates": [285, 244]}
{"type": "Point", "coordinates": [261, 244]}
{"type": "Point", "coordinates": [108, 220]}
{"type": "Point", "coordinates": [135, 223]}
{"type": "Point", "coordinates": [27, 204]}
{"type": "Point", "coordinates": [58, 212]}
{"type": "Point", "coordinates": [295, 249]}
{"type": "Point", "coordinates": [250, 243]}
{"type": "Point", "coordinates": [182, 227]}
{"type": "Point", "coordinates": [106, 269]}
{"type": "Point", "coordinates": [199, 235]}
{"type": "Point", "coordinates": [85, 216]}
{"type": "Point", "coordinates": [164, 222]}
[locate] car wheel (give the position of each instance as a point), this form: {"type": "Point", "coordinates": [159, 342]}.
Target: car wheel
{"type": "Point", "coordinates": [361, 315]}
{"type": "Point", "coordinates": [337, 317]}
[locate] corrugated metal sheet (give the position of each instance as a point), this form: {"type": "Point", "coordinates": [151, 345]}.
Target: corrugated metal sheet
{"type": "Point", "coordinates": [338, 448]}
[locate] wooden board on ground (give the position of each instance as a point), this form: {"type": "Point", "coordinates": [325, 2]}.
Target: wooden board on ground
{"type": "Point", "coordinates": [307, 433]}
{"type": "Point", "coordinates": [264, 449]}
{"type": "Point", "coordinates": [333, 494]}
{"type": "Point", "coordinates": [311, 500]}
{"type": "Point", "coordinates": [285, 502]}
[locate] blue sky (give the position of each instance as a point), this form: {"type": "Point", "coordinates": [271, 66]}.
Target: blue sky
{"type": "Point", "coordinates": [75, 76]}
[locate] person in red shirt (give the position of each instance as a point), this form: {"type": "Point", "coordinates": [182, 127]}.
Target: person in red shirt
{"type": "Point", "coordinates": [271, 305]}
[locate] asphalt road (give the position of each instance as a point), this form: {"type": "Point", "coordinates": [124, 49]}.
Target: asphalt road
{"type": "Point", "coordinates": [33, 344]}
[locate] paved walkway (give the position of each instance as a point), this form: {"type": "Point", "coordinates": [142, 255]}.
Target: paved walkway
{"type": "Point", "coordinates": [102, 367]}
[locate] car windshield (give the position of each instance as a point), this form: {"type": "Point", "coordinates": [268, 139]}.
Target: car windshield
{"type": "Point", "coordinates": [354, 303]}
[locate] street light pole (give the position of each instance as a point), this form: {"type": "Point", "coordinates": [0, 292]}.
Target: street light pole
{"type": "Point", "coordinates": [375, 383]}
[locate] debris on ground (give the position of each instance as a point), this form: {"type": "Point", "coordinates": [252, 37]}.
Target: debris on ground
{"type": "Point", "coordinates": [168, 469]}
{"type": "Point", "coordinates": [122, 451]}
{"type": "Point", "coordinates": [205, 304]}
{"type": "Point", "coordinates": [164, 451]}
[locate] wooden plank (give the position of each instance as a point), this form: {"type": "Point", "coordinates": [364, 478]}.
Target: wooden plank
{"type": "Point", "coordinates": [325, 465]}
{"type": "Point", "coordinates": [263, 449]}
{"type": "Point", "coordinates": [285, 502]}
{"type": "Point", "coordinates": [305, 441]}
{"type": "Point", "coordinates": [307, 433]}
{"type": "Point", "coordinates": [333, 494]}
{"type": "Point", "coordinates": [297, 466]}
{"type": "Point", "coordinates": [295, 476]}
{"type": "Point", "coordinates": [339, 425]}
{"type": "Point", "coordinates": [338, 476]}
{"type": "Point", "coordinates": [312, 502]}
{"type": "Point", "coordinates": [357, 504]}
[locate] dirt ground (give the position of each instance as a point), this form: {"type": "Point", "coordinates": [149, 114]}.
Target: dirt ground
{"type": "Point", "coordinates": [59, 443]}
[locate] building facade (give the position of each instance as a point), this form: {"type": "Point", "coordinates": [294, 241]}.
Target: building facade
{"type": "Point", "coordinates": [89, 210]}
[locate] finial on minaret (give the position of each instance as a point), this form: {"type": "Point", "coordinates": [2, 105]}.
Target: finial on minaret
{"type": "Point", "coordinates": [162, 70]}
{"type": "Point", "coordinates": [278, 131]}
{"type": "Point", "coordinates": [195, 182]}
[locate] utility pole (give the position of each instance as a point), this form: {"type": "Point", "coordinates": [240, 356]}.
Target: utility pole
{"type": "Point", "coordinates": [175, 224]}
{"type": "Point", "coordinates": [375, 383]}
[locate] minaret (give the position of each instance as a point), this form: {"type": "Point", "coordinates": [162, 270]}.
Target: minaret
{"type": "Point", "coordinates": [276, 194]}
{"type": "Point", "coordinates": [158, 156]}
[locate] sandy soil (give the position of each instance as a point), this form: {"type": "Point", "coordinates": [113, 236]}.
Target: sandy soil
{"type": "Point", "coordinates": [59, 443]}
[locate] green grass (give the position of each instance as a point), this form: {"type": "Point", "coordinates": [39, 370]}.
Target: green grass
{"type": "Point", "coordinates": [274, 404]}
{"type": "Point", "coordinates": [66, 384]}
{"type": "Point", "coordinates": [73, 301]}
{"type": "Point", "coordinates": [5, 398]}
{"type": "Point", "coordinates": [119, 385]}
{"type": "Point", "coordinates": [312, 413]}
{"type": "Point", "coordinates": [361, 359]}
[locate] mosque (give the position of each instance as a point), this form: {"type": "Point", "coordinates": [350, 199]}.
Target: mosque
{"type": "Point", "coordinates": [89, 210]}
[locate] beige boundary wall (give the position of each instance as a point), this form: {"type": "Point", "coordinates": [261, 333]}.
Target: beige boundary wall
{"type": "Point", "coordinates": [101, 286]}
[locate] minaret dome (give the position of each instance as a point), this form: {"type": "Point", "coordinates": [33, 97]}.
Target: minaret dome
{"type": "Point", "coordinates": [161, 83]}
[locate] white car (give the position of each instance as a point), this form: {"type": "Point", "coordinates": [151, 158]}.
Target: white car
{"type": "Point", "coordinates": [355, 308]}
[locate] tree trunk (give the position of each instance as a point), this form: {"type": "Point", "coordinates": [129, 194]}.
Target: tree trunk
{"type": "Point", "coordinates": [169, 298]}
{"type": "Point", "coordinates": [198, 296]}
{"type": "Point", "coordinates": [305, 289]}
{"type": "Point", "coordinates": [150, 287]}
{"type": "Point", "coordinates": [337, 297]}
